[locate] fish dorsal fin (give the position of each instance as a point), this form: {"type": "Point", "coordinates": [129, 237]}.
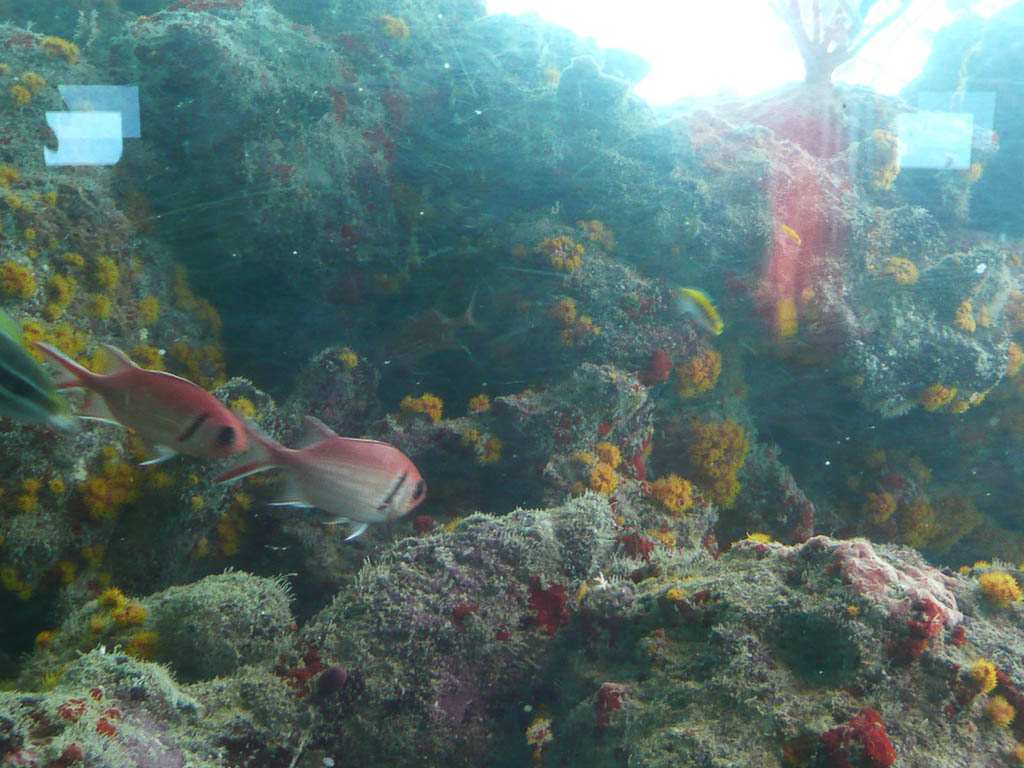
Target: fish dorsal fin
{"type": "Point", "coordinates": [315, 432]}
{"type": "Point", "coordinates": [118, 361]}
{"type": "Point", "coordinates": [11, 327]}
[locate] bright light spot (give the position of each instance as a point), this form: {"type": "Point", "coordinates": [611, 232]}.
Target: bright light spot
{"type": "Point", "coordinates": [741, 47]}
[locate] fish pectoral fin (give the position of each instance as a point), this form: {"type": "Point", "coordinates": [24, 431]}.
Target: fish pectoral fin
{"type": "Point", "coordinates": [358, 530]}
{"type": "Point", "coordinates": [95, 407]}
{"type": "Point", "coordinates": [161, 454]}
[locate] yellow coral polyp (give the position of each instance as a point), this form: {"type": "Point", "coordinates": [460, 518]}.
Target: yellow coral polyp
{"type": "Point", "coordinates": [1014, 359]}
{"type": "Point", "coordinates": [903, 271]}
{"type": "Point", "coordinates": [33, 81]}
{"type": "Point", "coordinates": [565, 254]}
{"type": "Point", "coordinates": [490, 452]}
{"type": "Point", "coordinates": [17, 280]}
{"type": "Point", "coordinates": [148, 357]}
{"type": "Point", "coordinates": [879, 507]}
{"type": "Point", "coordinates": [348, 358]}
{"type": "Point", "coordinates": [964, 317]}
{"type": "Point", "coordinates": [106, 273]}
{"type": "Point", "coordinates": [698, 373]}
{"type": "Point", "coordinates": [479, 403]}
{"type": "Point", "coordinates": [21, 95]}
{"type": "Point", "coordinates": [61, 290]}
{"type": "Point", "coordinates": [564, 312]}
{"type": "Point", "coordinates": [885, 156]}
{"type": "Point", "coordinates": [131, 614]}
{"type": "Point", "coordinates": [936, 396]}
{"type": "Point", "coordinates": [609, 454]}
{"type": "Point", "coordinates": [149, 309]}
{"type": "Point", "coordinates": [983, 672]}
{"type": "Point", "coordinates": [395, 27]}
{"type": "Point", "coordinates": [603, 478]}
{"type": "Point", "coordinates": [673, 492]}
{"type": "Point", "coordinates": [93, 555]}
{"type": "Point", "coordinates": [1000, 711]}
{"type": "Point", "coordinates": [58, 46]}
{"type": "Point", "coordinates": [427, 404]}
{"type": "Point", "coordinates": [718, 452]}
{"type": "Point", "coordinates": [105, 495]}
{"type": "Point", "coordinates": [143, 645]}
{"type": "Point", "coordinates": [8, 175]}
{"type": "Point", "coordinates": [598, 232]}
{"type": "Point", "coordinates": [244, 406]}
{"type": "Point", "coordinates": [99, 306]}
{"type": "Point", "coordinates": [999, 587]}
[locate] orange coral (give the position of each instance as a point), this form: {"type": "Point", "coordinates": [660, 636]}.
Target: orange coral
{"type": "Point", "coordinates": [964, 317]}
{"type": "Point", "coordinates": [999, 587]}
{"type": "Point", "coordinates": [903, 271]}
{"type": "Point", "coordinates": [104, 495]}
{"type": "Point", "coordinates": [603, 478]}
{"type": "Point", "coordinates": [1000, 711]}
{"type": "Point", "coordinates": [718, 452]}
{"type": "Point", "coordinates": [427, 404]}
{"type": "Point", "coordinates": [479, 403]}
{"type": "Point", "coordinates": [984, 673]}
{"type": "Point", "coordinates": [698, 373]}
{"type": "Point", "coordinates": [143, 645]}
{"type": "Point", "coordinates": [673, 492]}
{"type": "Point", "coordinates": [16, 280]}
{"type": "Point", "coordinates": [598, 232]}
{"type": "Point", "coordinates": [609, 454]}
{"type": "Point", "coordinates": [1014, 359]}
{"type": "Point", "coordinates": [564, 312]}
{"type": "Point", "coordinates": [879, 507]}
{"type": "Point", "coordinates": [936, 396]}
{"type": "Point", "coordinates": [58, 46]}
{"type": "Point", "coordinates": [565, 254]}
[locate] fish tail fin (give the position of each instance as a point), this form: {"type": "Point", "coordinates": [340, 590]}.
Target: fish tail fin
{"type": "Point", "coordinates": [264, 454]}
{"type": "Point", "coordinates": [74, 375]}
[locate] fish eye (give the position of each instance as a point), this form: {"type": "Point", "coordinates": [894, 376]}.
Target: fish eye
{"type": "Point", "coordinates": [226, 436]}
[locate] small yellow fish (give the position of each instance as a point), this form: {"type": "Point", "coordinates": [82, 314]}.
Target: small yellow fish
{"type": "Point", "coordinates": [792, 233]}
{"type": "Point", "coordinates": [696, 304]}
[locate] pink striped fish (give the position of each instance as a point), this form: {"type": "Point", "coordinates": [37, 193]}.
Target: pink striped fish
{"type": "Point", "coordinates": [355, 481]}
{"type": "Point", "coordinates": [172, 413]}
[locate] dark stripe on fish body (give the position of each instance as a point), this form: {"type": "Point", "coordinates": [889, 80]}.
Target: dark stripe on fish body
{"type": "Point", "coordinates": [196, 424]}
{"type": "Point", "coordinates": [391, 494]}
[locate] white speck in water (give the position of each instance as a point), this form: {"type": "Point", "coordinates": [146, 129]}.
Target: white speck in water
{"type": "Point", "coordinates": [980, 269]}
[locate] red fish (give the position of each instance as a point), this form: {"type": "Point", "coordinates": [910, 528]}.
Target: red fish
{"type": "Point", "coordinates": [355, 481]}
{"type": "Point", "coordinates": [170, 412]}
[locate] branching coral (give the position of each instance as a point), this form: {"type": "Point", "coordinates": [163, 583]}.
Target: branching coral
{"type": "Point", "coordinates": [829, 34]}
